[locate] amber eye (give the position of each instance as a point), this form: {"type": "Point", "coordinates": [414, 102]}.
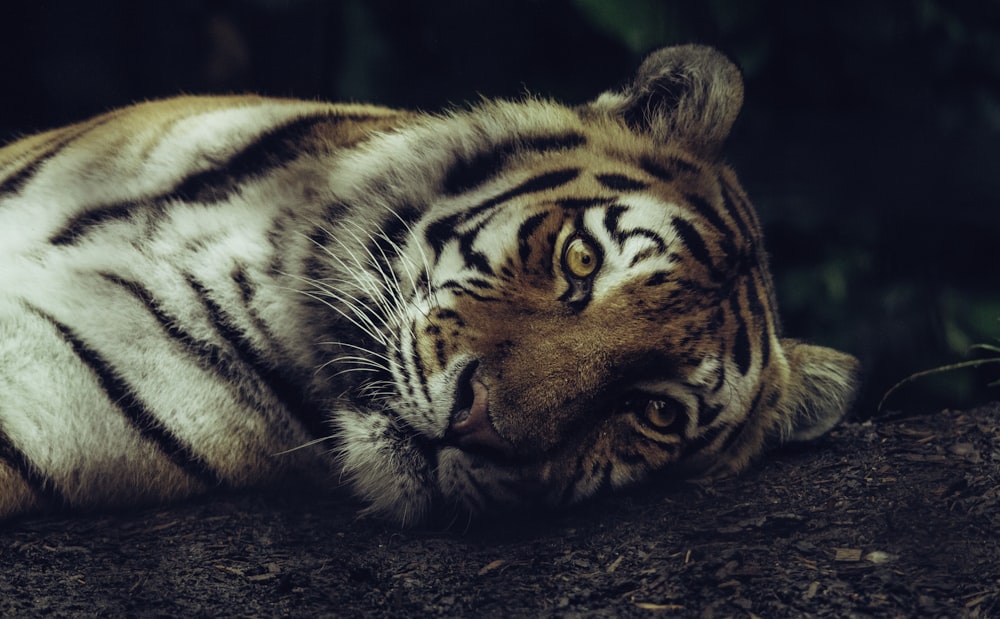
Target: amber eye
{"type": "Point", "coordinates": [580, 258]}
{"type": "Point", "coordinates": [660, 413]}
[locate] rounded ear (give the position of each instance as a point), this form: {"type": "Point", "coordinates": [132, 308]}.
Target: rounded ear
{"type": "Point", "coordinates": [821, 386]}
{"type": "Point", "coordinates": [690, 93]}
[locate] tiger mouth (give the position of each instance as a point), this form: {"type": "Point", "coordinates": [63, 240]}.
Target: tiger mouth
{"type": "Point", "coordinates": [470, 426]}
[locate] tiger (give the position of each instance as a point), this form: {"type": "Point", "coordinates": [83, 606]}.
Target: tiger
{"type": "Point", "coordinates": [500, 307]}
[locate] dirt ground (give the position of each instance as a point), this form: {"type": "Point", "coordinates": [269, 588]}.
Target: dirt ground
{"type": "Point", "coordinates": [894, 518]}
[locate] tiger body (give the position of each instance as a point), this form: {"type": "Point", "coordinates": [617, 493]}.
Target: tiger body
{"type": "Point", "coordinates": [521, 303]}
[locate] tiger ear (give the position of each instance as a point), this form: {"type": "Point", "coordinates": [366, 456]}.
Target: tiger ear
{"type": "Point", "coordinates": [690, 93]}
{"type": "Point", "coordinates": [822, 386]}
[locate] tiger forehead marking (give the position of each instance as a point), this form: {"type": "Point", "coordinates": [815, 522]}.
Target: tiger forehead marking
{"type": "Point", "coordinates": [515, 305]}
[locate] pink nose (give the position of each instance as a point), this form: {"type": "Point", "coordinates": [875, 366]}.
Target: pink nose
{"type": "Point", "coordinates": [471, 427]}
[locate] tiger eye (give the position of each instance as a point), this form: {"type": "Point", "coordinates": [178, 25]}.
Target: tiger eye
{"type": "Point", "coordinates": [580, 258]}
{"type": "Point", "coordinates": [660, 414]}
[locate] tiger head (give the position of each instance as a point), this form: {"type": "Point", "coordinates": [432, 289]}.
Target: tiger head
{"type": "Point", "coordinates": [583, 300]}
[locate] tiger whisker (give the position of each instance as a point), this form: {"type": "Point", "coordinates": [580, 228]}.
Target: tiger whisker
{"type": "Point", "coordinates": [375, 291]}
{"type": "Point", "coordinates": [369, 329]}
{"type": "Point", "coordinates": [423, 255]}
{"type": "Point", "coordinates": [306, 445]}
{"type": "Point", "coordinates": [359, 348]}
{"type": "Point", "coordinates": [364, 283]}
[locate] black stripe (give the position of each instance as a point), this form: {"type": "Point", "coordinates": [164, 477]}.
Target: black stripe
{"type": "Point", "coordinates": [278, 239]}
{"type": "Point", "coordinates": [244, 285]}
{"type": "Point", "coordinates": [646, 233]}
{"type": "Point", "coordinates": [138, 413]}
{"type": "Point", "coordinates": [316, 263]}
{"type": "Point", "coordinates": [658, 278]}
{"type": "Point", "coordinates": [434, 331]}
{"type": "Point", "coordinates": [708, 212]}
{"type": "Point", "coordinates": [525, 232]}
{"type": "Point", "coordinates": [480, 283]}
{"type": "Point", "coordinates": [654, 169]}
{"type": "Point", "coordinates": [458, 290]}
{"type": "Point", "coordinates": [401, 363]}
{"type": "Point", "coordinates": [42, 485]}
{"type": "Point", "coordinates": [81, 223]}
{"type": "Point", "coordinates": [683, 165]}
{"type": "Point", "coordinates": [439, 232]}
{"type": "Point", "coordinates": [320, 234]}
{"type": "Point", "coordinates": [742, 353]}
{"type": "Point", "coordinates": [578, 475]}
{"type": "Point", "coordinates": [633, 455]}
{"type": "Point", "coordinates": [418, 364]}
{"type": "Point", "coordinates": [719, 321]}
{"type": "Point", "coordinates": [574, 204]}
{"type": "Point", "coordinates": [448, 314]}
{"type": "Point", "coordinates": [169, 323]}
{"type": "Point", "coordinates": [620, 182]}
{"type": "Point", "coordinates": [667, 173]}
{"type": "Point", "coordinates": [732, 259]}
{"type": "Point", "coordinates": [209, 356]}
{"type": "Point", "coordinates": [695, 445]}
{"type": "Point", "coordinates": [720, 353]}
{"type": "Point", "coordinates": [605, 484]}
{"type": "Point", "coordinates": [272, 149]}
{"type": "Point", "coordinates": [707, 413]}
{"type": "Point", "coordinates": [694, 243]}
{"type": "Point", "coordinates": [772, 399]}
{"type": "Point", "coordinates": [542, 182]}
{"type": "Point", "coordinates": [758, 311]}
{"type": "Point", "coordinates": [474, 259]}
{"type": "Point", "coordinates": [395, 231]}
{"type": "Point", "coordinates": [466, 174]}
{"type": "Point", "coordinates": [742, 206]}
{"type": "Point", "coordinates": [287, 391]}
{"type": "Point", "coordinates": [612, 216]}
{"type": "Point", "coordinates": [734, 212]}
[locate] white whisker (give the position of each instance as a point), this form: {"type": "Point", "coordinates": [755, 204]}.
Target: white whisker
{"type": "Point", "coordinates": [307, 444]}
{"type": "Point", "coordinates": [359, 348]}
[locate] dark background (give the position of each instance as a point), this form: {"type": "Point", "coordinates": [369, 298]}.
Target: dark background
{"type": "Point", "coordinates": [870, 141]}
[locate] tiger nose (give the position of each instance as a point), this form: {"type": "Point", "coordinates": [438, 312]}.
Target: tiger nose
{"type": "Point", "coordinates": [471, 428]}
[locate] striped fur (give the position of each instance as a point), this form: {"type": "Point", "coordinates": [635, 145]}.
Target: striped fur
{"type": "Point", "coordinates": [218, 292]}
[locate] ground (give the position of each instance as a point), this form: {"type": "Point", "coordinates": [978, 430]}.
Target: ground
{"type": "Point", "coordinates": [896, 518]}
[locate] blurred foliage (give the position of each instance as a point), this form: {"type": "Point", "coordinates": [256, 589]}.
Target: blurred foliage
{"type": "Point", "coordinates": [869, 142]}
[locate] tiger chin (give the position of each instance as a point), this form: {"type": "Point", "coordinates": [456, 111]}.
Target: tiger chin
{"type": "Point", "coordinates": [514, 305]}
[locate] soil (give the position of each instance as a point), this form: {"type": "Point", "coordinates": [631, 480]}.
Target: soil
{"type": "Point", "coordinates": [893, 518]}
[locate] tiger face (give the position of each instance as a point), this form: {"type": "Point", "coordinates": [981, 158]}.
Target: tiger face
{"type": "Point", "coordinates": [581, 299]}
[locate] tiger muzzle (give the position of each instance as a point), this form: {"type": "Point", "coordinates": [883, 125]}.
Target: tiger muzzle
{"type": "Point", "coordinates": [471, 428]}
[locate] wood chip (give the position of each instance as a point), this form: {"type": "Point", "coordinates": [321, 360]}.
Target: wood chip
{"type": "Point", "coordinates": [878, 556]}
{"type": "Point", "coordinates": [492, 565]}
{"type": "Point", "coordinates": [847, 555]}
{"type": "Point", "coordinates": [231, 570]}
{"type": "Point", "coordinates": [651, 606]}
{"type": "Point", "coordinates": [812, 590]}
{"type": "Point", "coordinates": [162, 526]}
